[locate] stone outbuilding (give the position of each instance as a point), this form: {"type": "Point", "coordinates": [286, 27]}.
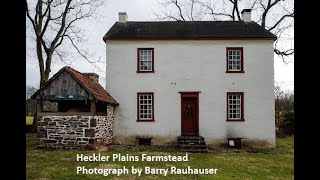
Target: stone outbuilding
{"type": "Point", "coordinates": [74, 111]}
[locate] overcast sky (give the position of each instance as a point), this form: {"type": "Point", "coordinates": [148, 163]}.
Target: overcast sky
{"type": "Point", "coordinates": [137, 10]}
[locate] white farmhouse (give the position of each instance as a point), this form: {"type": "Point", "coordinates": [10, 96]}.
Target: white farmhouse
{"type": "Point", "coordinates": [192, 81]}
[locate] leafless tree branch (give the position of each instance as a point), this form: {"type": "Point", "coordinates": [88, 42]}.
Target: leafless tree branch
{"type": "Point", "coordinates": [191, 11]}
{"type": "Point", "coordinates": [81, 53]}
{"type": "Point", "coordinates": [178, 6]}
{"type": "Point", "coordinates": [280, 20]}
{"type": "Point", "coordinates": [269, 12]}
{"type": "Point", "coordinates": [61, 58]}
{"type": "Point", "coordinates": [54, 20]}
{"type": "Point", "coordinates": [212, 11]}
{"type": "Point", "coordinates": [29, 17]}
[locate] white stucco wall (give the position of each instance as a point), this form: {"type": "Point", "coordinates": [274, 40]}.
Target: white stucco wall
{"type": "Point", "coordinates": [193, 66]}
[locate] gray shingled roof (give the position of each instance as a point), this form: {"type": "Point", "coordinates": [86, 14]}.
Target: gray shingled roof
{"type": "Point", "coordinates": [187, 30]}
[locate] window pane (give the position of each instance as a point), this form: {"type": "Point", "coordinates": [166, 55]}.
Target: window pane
{"type": "Point", "coordinates": [145, 106]}
{"type": "Point", "coordinates": [234, 111]}
{"type": "Point", "coordinates": [234, 58]}
{"type": "Point", "coordinates": [145, 60]}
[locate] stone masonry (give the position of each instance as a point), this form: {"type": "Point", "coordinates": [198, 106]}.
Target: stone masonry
{"type": "Point", "coordinates": [104, 128]}
{"type": "Point", "coordinates": [76, 132]}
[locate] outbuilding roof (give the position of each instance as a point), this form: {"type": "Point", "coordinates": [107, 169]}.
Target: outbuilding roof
{"type": "Point", "coordinates": [93, 88]}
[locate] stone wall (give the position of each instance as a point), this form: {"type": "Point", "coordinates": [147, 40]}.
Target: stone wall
{"type": "Point", "coordinates": [76, 132]}
{"type": "Point", "coordinates": [104, 128]}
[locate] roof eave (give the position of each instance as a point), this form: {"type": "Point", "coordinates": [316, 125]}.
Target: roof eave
{"type": "Point", "coordinates": [104, 39]}
{"type": "Point", "coordinates": [108, 102]}
{"type": "Point", "coordinates": [48, 82]}
{"type": "Point", "coordinates": [85, 87]}
{"type": "Point", "coordinates": [187, 38]}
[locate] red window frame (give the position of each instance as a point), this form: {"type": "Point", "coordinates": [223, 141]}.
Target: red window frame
{"type": "Point", "coordinates": [138, 107]}
{"type": "Point", "coordinates": [241, 60]}
{"type": "Point", "coordinates": [138, 61]}
{"type": "Point", "coordinates": [241, 105]}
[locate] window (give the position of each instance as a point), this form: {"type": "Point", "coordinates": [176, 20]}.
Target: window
{"type": "Point", "coordinates": [145, 60]}
{"type": "Point", "coordinates": [235, 106]}
{"type": "Point", "coordinates": [235, 60]}
{"type": "Point", "coordinates": [145, 106]}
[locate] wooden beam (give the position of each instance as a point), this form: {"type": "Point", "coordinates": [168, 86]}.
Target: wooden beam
{"type": "Point", "coordinates": [39, 104]}
{"type": "Point", "coordinates": [68, 97]}
{"type": "Point", "coordinates": [93, 107]}
{"type": "Point", "coordinates": [67, 114]}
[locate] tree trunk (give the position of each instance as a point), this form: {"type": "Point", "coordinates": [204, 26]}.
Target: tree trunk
{"type": "Point", "coordinates": [34, 128]}
{"type": "Point", "coordinates": [42, 80]}
{"type": "Point", "coordinates": [40, 60]}
{"type": "Point", "coordinates": [44, 73]}
{"type": "Point", "coordinates": [48, 66]}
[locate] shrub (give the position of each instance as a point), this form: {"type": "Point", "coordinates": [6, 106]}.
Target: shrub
{"type": "Point", "coordinates": [287, 123]}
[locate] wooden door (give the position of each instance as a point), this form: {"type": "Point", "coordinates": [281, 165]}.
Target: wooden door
{"type": "Point", "coordinates": [189, 114]}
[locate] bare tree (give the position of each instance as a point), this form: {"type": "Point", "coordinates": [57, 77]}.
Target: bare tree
{"type": "Point", "coordinates": [30, 90]}
{"type": "Point", "coordinates": [276, 16]}
{"type": "Point", "coordinates": [284, 111]}
{"type": "Point", "coordinates": [278, 97]}
{"type": "Point", "coordinates": [56, 22]}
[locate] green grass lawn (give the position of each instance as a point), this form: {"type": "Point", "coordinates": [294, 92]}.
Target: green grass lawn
{"type": "Point", "coordinates": [262, 164]}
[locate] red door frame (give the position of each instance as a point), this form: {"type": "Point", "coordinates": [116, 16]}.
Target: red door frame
{"type": "Point", "coordinates": [190, 94]}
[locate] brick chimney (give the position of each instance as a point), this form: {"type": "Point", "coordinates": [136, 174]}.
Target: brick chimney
{"type": "Point", "coordinates": [93, 76]}
{"type": "Point", "coordinates": [246, 15]}
{"type": "Point", "coordinates": [123, 17]}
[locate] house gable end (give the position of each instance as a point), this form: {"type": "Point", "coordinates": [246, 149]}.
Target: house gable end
{"type": "Point", "coordinates": [69, 83]}
{"type": "Point", "coordinates": [63, 85]}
